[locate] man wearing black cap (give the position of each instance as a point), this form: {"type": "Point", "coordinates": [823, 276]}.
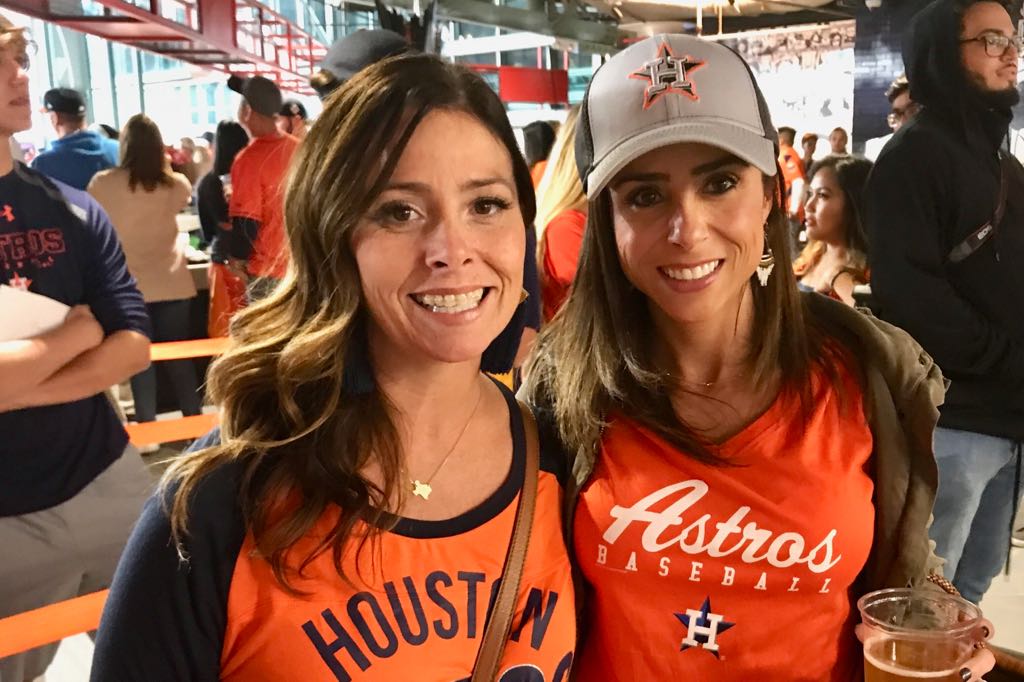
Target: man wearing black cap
{"type": "Point", "coordinates": [77, 154]}
{"type": "Point", "coordinates": [291, 120]}
{"type": "Point", "coordinates": [353, 53]}
{"type": "Point", "coordinates": [258, 250]}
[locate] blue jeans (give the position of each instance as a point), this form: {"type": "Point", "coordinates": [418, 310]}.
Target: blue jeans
{"type": "Point", "coordinates": [974, 507]}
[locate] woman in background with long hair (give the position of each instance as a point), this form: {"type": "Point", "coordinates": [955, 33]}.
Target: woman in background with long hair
{"type": "Point", "coordinates": [143, 197]}
{"type": "Point", "coordinates": [835, 259]}
{"type": "Point", "coordinates": [227, 290]}
{"type": "Point", "coordinates": [561, 219]}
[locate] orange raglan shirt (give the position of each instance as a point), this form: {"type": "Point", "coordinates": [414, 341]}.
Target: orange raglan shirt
{"type": "Point", "coordinates": [415, 611]}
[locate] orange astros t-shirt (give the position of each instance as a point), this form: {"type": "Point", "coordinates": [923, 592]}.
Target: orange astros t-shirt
{"type": "Point", "coordinates": [742, 572]}
{"type": "Point", "coordinates": [415, 610]}
{"type": "Point", "coordinates": [258, 182]}
{"type": "Point", "coordinates": [418, 611]}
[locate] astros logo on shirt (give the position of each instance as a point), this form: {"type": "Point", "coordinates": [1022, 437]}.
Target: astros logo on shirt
{"type": "Point", "coordinates": [703, 628]}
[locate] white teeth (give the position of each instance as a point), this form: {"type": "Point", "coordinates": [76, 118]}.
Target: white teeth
{"type": "Point", "coordinates": [689, 274]}
{"type": "Point", "coordinates": [450, 303]}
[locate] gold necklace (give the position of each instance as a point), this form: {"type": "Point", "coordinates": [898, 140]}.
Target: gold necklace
{"type": "Point", "coordinates": [423, 488]}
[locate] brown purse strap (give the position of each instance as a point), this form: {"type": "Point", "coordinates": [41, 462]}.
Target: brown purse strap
{"type": "Point", "coordinates": [499, 624]}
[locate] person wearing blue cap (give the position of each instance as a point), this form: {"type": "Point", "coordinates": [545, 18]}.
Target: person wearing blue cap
{"type": "Point", "coordinates": [78, 153]}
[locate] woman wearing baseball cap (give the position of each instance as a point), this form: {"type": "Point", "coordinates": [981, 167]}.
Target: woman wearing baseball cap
{"type": "Point", "coordinates": [747, 460]}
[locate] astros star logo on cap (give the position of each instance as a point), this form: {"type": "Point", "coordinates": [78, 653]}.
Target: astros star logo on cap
{"type": "Point", "coordinates": [666, 74]}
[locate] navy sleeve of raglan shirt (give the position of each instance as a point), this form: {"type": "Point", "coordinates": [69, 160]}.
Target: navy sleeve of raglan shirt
{"type": "Point", "coordinates": [166, 615]}
{"type": "Point", "coordinates": [57, 242]}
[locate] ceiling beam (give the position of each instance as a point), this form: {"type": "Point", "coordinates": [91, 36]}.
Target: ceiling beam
{"type": "Point", "coordinates": [736, 24]}
{"type": "Point", "coordinates": [591, 36]}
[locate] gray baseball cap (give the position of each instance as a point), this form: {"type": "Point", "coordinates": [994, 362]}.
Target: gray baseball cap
{"type": "Point", "coordinates": [669, 89]}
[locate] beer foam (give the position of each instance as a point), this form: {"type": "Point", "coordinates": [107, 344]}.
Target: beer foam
{"type": "Point", "coordinates": [903, 672]}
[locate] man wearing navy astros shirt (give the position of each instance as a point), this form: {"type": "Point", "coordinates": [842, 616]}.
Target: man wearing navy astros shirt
{"type": "Point", "coordinates": [70, 484]}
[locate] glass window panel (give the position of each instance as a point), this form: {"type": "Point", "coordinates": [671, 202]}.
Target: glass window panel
{"type": "Point", "coordinates": [526, 57]}
{"type": "Point", "coordinates": [127, 100]}
{"type": "Point", "coordinates": [488, 58]}
{"type": "Point", "coordinates": [462, 28]}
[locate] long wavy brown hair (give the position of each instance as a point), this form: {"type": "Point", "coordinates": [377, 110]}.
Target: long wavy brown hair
{"type": "Point", "coordinates": [301, 436]}
{"type": "Point", "coordinates": [597, 355]}
{"type": "Point", "coordinates": [143, 154]}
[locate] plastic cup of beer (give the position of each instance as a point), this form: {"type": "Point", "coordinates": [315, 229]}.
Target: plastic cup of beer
{"type": "Point", "coordinates": [917, 635]}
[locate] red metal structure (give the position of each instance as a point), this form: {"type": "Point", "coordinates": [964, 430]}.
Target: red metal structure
{"type": "Point", "coordinates": [244, 37]}
{"type": "Point", "coordinates": [523, 84]}
{"type": "Point", "coordinates": [234, 36]}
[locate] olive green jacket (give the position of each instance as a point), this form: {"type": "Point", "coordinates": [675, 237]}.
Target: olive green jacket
{"type": "Point", "coordinates": [902, 391]}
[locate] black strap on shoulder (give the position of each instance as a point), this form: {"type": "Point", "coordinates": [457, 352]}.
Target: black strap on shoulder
{"type": "Point", "coordinates": [977, 239]}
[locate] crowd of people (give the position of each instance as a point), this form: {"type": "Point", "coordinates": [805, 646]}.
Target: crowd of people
{"type": "Point", "coordinates": [705, 429]}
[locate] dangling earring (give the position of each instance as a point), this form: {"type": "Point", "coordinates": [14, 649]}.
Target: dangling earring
{"type": "Point", "coordinates": [767, 262]}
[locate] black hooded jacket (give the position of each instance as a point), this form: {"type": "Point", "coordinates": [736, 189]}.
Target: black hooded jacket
{"type": "Point", "coordinates": [935, 183]}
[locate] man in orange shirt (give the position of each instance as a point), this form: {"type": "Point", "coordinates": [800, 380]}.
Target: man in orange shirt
{"type": "Point", "coordinates": [258, 176]}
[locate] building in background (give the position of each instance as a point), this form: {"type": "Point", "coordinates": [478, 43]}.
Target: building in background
{"type": "Point", "coordinates": [186, 100]}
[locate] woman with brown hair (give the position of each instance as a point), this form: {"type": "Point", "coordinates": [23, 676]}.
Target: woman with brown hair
{"type": "Point", "coordinates": [143, 197]}
{"type": "Point", "coordinates": [353, 519]}
{"type": "Point", "coordinates": [756, 458]}
{"type": "Point", "coordinates": [836, 258]}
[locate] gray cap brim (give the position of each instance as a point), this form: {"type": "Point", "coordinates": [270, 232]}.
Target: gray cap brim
{"type": "Point", "coordinates": [746, 144]}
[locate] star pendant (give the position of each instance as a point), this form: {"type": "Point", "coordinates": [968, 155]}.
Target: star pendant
{"type": "Point", "coordinates": [421, 489]}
